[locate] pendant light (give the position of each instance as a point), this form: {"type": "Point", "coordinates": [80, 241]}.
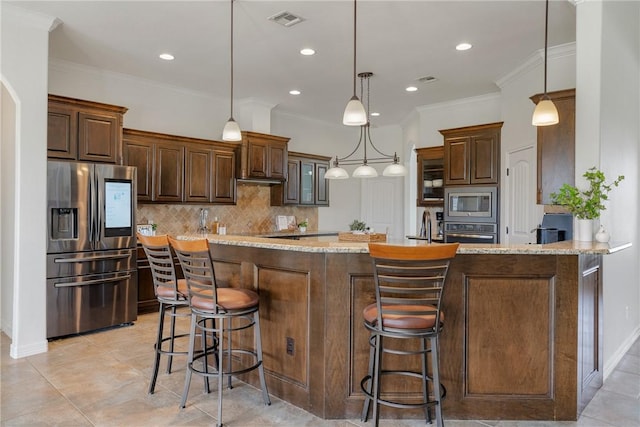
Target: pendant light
{"type": "Point", "coordinates": [354, 113]}
{"type": "Point", "coordinates": [231, 131]}
{"type": "Point", "coordinates": [364, 170]}
{"type": "Point", "coordinates": [545, 113]}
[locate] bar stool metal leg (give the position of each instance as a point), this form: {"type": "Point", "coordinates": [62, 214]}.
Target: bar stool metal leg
{"type": "Point", "coordinates": [156, 363]}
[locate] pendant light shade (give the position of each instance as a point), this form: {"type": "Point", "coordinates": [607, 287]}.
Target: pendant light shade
{"type": "Point", "coordinates": [231, 131]}
{"type": "Point", "coordinates": [365, 171]}
{"type": "Point", "coordinates": [395, 168]}
{"type": "Point", "coordinates": [545, 113]}
{"type": "Point", "coordinates": [354, 113]}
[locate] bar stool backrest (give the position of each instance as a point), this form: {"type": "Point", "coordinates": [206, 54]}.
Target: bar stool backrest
{"type": "Point", "coordinates": [158, 251]}
{"type": "Point", "coordinates": [409, 281]}
{"type": "Point", "coordinates": [197, 267]}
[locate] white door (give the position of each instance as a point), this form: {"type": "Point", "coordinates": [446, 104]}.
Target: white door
{"type": "Point", "coordinates": [382, 205]}
{"type": "Point", "coordinates": [521, 210]}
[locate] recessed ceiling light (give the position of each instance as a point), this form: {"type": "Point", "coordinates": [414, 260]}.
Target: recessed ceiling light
{"type": "Point", "coordinates": [307, 51]}
{"type": "Point", "coordinates": [166, 56]}
{"type": "Point", "coordinates": [295, 92]}
{"type": "Point", "coordinates": [464, 46]}
{"type": "Point", "coordinates": [375, 114]}
{"type": "Point", "coordinates": [411, 89]}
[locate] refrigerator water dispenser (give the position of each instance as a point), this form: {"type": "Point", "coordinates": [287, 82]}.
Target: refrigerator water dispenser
{"type": "Point", "coordinates": [64, 224]}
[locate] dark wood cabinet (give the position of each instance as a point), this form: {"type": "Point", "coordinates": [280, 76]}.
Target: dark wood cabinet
{"type": "Point", "coordinates": [84, 130]}
{"type": "Point", "coordinates": [472, 154]}
{"type": "Point", "coordinates": [168, 176]}
{"type": "Point", "coordinates": [224, 176]}
{"type": "Point", "coordinates": [262, 156]}
{"type": "Point", "coordinates": [305, 185]}
{"type": "Point", "coordinates": [140, 154]}
{"type": "Point", "coordinates": [556, 147]}
{"type": "Point", "coordinates": [147, 301]}
{"type": "Point", "coordinates": [197, 172]}
{"type": "Point", "coordinates": [430, 176]}
{"type": "Point", "coordinates": [180, 169]}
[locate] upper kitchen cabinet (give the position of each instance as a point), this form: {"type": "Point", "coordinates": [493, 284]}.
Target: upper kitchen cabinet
{"type": "Point", "coordinates": [263, 157]}
{"type": "Point", "coordinates": [84, 130]}
{"type": "Point", "coordinates": [430, 176]}
{"type": "Point", "coordinates": [556, 147]}
{"type": "Point", "coordinates": [180, 169]}
{"type": "Point", "coordinates": [305, 184]}
{"type": "Point", "coordinates": [472, 154]}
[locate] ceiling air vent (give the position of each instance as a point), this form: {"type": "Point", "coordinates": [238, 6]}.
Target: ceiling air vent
{"type": "Point", "coordinates": [286, 19]}
{"type": "Point", "coordinates": [426, 79]}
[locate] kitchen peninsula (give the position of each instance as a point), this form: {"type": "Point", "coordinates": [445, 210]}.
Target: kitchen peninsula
{"type": "Point", "coordinates": [522, 336]}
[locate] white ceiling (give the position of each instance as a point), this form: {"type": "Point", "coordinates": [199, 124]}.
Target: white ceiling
{"type": "Point", "coordinates": [399, 41]}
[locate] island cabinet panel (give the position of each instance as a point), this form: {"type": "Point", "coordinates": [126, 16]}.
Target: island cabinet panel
{"type": "Point", "coordinates": [521, 339]}
{"type": "Point", "coordinates": [506, 357]}
{"type": "Point", "coordinates": [291, 317]}
{"type": "Point", "coordinates": [590, 374]}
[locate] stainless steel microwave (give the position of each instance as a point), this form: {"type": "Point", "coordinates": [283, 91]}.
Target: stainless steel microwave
{"type": "Point", "coordinates": [471, 204]}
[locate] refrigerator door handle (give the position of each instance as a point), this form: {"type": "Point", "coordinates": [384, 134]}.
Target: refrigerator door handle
{"type": "Point", "coordinates": [92, 282]}
{"type": "Point", "coordinates": [91, 210]}
{"type": "Point", "coordinates": [99, 201]}
{"type": "Point", "coordinates": [89, 259]}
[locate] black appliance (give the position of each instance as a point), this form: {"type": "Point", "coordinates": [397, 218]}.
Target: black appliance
{"type": "Point", "coordinates": [91, 247]}
{"type": "Point", "coordinates": [554, 228]}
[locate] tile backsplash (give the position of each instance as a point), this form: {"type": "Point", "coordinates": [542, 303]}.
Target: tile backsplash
{"type": "Point", "coordinates": [251, 214]}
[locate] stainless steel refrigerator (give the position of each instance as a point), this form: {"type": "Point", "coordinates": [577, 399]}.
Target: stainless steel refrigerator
{"type": "Point", "coordinates": [91, 247]}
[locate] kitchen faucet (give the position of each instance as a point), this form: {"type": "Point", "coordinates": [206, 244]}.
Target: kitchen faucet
{"type": "Point", "coordinates": [202, 223]}
{"type": "Point", "coordinates": [425, 229]}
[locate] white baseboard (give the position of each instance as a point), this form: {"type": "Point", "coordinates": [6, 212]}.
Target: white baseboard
{"type": "Point", "coordinates": [28, 350]}
{"type": "Point", "coordinates": [619, 354]}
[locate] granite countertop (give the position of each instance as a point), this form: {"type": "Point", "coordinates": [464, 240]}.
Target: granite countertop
{"type": "Point", "coordinates": [331, 244]}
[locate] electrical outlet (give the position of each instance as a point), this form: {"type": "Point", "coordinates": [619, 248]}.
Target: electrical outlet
{"type": "Point", "coordinates": [290, 346]}
{"type": "Point", "coordinates": [626, 312]}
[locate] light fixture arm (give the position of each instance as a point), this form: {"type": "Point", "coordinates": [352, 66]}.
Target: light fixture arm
{"type": "Point", "coordinates": [546, 35]}
{"type": "Point", "coordinates": [231, 59]}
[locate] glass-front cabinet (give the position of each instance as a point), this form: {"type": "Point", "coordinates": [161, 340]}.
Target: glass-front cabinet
{"type": "Point", "coordinates": [430, 176]}
{"type": "Point", "coordinates": [307, 181]}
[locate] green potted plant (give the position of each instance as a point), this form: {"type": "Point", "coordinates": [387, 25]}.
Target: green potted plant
{"type": "Point", "coordinates": [357, 227]}
{"type": "Point", "coordinates": [302, 225]}
{"type": "Point", "coordinates": [586, 205]}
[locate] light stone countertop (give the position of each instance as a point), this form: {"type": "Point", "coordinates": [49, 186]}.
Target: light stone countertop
{"type": "Point", "coordinates": [330, 244]}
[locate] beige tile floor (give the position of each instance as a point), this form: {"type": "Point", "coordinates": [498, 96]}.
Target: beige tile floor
{"type": "Point", "coordinates": [101, 379]}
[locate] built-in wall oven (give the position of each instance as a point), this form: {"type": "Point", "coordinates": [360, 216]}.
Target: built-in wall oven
{"type": "Point", "coordinates": [471, 214]}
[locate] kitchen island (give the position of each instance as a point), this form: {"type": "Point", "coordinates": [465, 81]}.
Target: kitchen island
{"type": "Point", "coordinates": [522, 336]}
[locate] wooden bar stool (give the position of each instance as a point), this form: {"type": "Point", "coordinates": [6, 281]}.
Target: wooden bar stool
{"type": "Point", "coordinates": [229, 310]}
{"type": "Point", "coordinates": [171, 294]}
{"type": "Point", "coordinates": [409, 281]}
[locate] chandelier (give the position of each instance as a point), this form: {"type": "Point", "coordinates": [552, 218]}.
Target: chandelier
{"type": "Point", "coordinates": [364, 170]}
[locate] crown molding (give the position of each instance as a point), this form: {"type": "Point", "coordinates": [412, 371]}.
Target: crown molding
{"type": "Point", "coordinates": [535, 60]}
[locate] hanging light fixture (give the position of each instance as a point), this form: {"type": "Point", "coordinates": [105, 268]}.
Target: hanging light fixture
{"type": "Point", "coordinates": [354, 113]}
{"type": "Point", "coordinates": [545, 113]}
{"type": "Point", "coordinates": [365, 170]}
{"type": "Point", "coordinates": [231, 131]}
